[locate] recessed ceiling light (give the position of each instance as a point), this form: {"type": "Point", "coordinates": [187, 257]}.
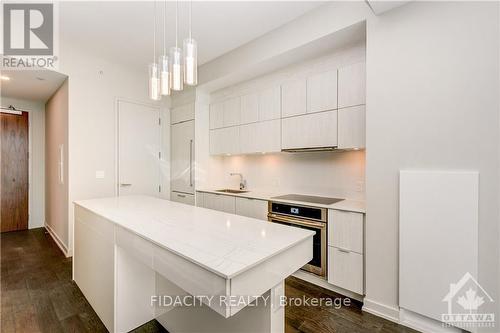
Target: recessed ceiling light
{"type": "Point", "coordinates": [4, 78]}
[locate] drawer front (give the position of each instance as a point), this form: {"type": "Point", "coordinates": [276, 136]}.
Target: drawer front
{"type": "Point", "coordinates": [223, 203]}
{"type": "Point", "coordinates": [251, 208]}
{"type": "Point", "coordinates": [345, 269]}
{"type": "Point", "coordinates": [345, 230]}
{"type": "Point", "coordinates": [184, 198]}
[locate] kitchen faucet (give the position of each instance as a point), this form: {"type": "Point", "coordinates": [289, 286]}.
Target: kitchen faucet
{"type": "Point", "coordinates": [243, 182]}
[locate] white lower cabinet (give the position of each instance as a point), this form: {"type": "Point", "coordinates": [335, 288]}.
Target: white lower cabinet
{"type": "Point", "coordinates": [220, 202]}
{"type": "Point", "coordinates": [251, 208]}
{"type": "Point", "coordinates": [310, 130]}
{"type": "Point", "coordinates": [346, 250]}
{"type": "Point", "coordinates": [345, 269]}
{"type": "Point", "coordinates": [184, 198]}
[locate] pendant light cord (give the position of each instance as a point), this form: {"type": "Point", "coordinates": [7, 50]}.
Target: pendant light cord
{"type": "Point", "coordinates": [176, 22]}
{"type": "Point", "coordinates": [190, 9]}
{"type": "Point", "coordinates": [165, 27]}
{"type": "Point", "coordinates": [154, 32]}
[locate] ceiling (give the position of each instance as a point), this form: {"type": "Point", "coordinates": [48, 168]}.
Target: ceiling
{"type": "Point", "coordinates": [123, 30]}
{"type": "Point", "coordinates": [33, 85]}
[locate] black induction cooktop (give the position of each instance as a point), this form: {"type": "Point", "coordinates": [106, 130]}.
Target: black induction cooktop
{"type": "Point", "coordinates": [308, 198]}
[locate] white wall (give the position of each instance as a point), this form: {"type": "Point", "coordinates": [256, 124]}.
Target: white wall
{"type": "Point", "coordinates": [36, 115]}
{"type": "Point", "coordinates": [95, 84]}
{"type": "Point", "coordinates": [432, 103]}
{"type": "Point", "coordinates": [56, 175]}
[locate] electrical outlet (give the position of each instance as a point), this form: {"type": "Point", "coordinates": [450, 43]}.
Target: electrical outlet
{"type": "Point", "coordinates": [99, 174]}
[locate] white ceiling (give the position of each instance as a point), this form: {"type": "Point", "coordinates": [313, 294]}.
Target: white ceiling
{"type": "Point", "coordinates": [123, 30]}
{"type": "Point", "coordinates": [32, 85]}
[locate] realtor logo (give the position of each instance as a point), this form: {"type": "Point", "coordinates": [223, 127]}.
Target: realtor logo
{"type": "Point", "coordinates": [28, 29]}
{"type": "Point", "coordinates": [30, 32]}
{"type": "Point", "coordinates": [464, 300]}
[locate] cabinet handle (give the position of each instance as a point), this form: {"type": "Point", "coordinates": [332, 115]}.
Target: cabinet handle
{"type": "Point", "coordinates": [343, 250]}
{"type": "Point", "coordinates": [191, 163]}
{"type": "Point", "coordinates": [125, 184]}
{"type": "Point", "coordinates": [181, 195]}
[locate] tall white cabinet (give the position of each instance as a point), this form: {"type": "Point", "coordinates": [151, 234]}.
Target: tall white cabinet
{"type": "Point", "coordinates": [182, 154]}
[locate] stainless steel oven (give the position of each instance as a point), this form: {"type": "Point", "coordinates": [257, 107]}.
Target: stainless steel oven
{"type": "Point", "coordinates": [306, 217]}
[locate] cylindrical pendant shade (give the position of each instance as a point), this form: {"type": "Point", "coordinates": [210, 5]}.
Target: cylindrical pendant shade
{"type": "Point", "coordinates": [164, 75]}
{"type": "Point", "coordinates": [176, 69]}
{"type": "Point", "coordinates": [154, 82]}
{"type": "Point", "coordinates": [190, 62]}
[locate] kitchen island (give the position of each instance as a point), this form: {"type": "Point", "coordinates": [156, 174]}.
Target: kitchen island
{"type": "Point", "coordinates": [137, 258]}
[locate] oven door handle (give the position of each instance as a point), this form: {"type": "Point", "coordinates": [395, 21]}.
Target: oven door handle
{"type": "Point", "coordinates": [274, 217]}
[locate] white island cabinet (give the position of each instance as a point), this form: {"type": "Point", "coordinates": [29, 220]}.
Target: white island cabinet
{"type": "Point", "coordinates": [138, 258]}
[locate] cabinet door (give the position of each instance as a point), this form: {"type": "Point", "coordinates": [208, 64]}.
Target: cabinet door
{"type": "Point", "coordinates": [352, 85]}
{"type": "Point", "coordinates": [261, 137]}
{"type": "Point", "coordinates": [310, 130]}
{"type": "Point", "coordinates": [225, 140]}
{"type": "Point", "coordinates": [182, 113]}
{"type": "Point", "coordinates": [182, 157]}
{"type": "Point", "coordinates": [232, 110]}
{"type": "Point", "coordinates": [184, 198]}
{"type": "Point", "coordinates": [345, 269]}
{"type": "Point", "coordinates": [293, 97]}
{"type": "Point", "coordinates": [216, 115]}
{"type": "Point", "coordinates": [352, 127]}
{"type": "Point", "coordinates": [322, 91]}
{"type": "Point", "coordinates": [249, 108]}
{"type": "Point", "coordinates": [248, 138]}
{"type": "Point", "coordinates": [223, 203]}
{"type": "Point", "coordinates": [345, 230]}
{"type": "Point", "coordinates": [251, 208]}
{"type": "Point", "coordinates": [270, 104]}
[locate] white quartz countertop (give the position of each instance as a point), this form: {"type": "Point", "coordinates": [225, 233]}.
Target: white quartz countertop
{"type": "Point", "coordinates": [223, 243]}
{"type": "Point", "coordinates": [346, 204]}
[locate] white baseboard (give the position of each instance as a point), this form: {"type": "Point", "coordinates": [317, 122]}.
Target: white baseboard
{"type": "Point", "coordinates": [58, 241]}
{"type": "Point", "coordinates": [423, 324]}
{"type": "Point", "coordinates": [381, 310]}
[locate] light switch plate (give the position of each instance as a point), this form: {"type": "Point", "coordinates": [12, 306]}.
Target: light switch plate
{"type": "Point", "coordinates": [99, 174]}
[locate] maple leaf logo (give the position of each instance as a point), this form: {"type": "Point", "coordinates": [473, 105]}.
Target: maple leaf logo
{"type": "Point", "coordinates": [470, 301]}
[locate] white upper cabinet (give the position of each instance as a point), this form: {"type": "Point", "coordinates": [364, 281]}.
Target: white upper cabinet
{"type": "Point", "coordinates": [352, 85]}
{"type": "Point", "coordinates": [322, 91]}
{"type": "Point", "coordinates": [293, 98]}
{"type": "Point", "coordinates": [216, 115]}
{"type": "Point", "coordinates": [226, 113]}
{"type": "Point", "coordinates": [249, 108]}
{"type": "Point", "coordinates": [225, 140]}
{"type": "Point", "coordinates": [260, 137]}
{"type": "Point", "coordinates": [182, 113]}
{"type": "Point", "coordinates": [352, 128]}
{"type": "Point", "coordinates": [310, 131]}
{"type": "Point", "coordinates": [270, 104]}
{"type": "Point", "coordinates": [232, 112]}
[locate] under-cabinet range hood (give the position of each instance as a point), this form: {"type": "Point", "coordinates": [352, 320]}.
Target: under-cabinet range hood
{"type": "Point", "coordinates": [310, 150]}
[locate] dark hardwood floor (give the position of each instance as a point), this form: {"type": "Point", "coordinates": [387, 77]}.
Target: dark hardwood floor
{"type": "Point", "coordinates": [38, 295]}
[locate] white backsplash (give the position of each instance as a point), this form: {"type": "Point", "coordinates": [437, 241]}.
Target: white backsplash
{"type": "Point", "coordinates": [339, 174]}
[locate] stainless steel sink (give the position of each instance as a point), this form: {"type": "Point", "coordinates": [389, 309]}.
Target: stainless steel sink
{"type": "Point", "coordinates": [228, 190]}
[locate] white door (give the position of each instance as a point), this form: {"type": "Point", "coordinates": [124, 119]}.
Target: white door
{"type": "Point", "coordinates": [182, 157]}
{"type": "Point", "coordinates": [138, 149]}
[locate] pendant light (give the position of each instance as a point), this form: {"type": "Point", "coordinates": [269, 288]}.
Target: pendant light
{"type": "Point", "coordinates": [176, 69]}
{"type": "Point", "coordinates": [163, 61]}
{"type": "Point", "coordinates": [190, 55]}
{"type": "Point", "coordinates": [154, 81]}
